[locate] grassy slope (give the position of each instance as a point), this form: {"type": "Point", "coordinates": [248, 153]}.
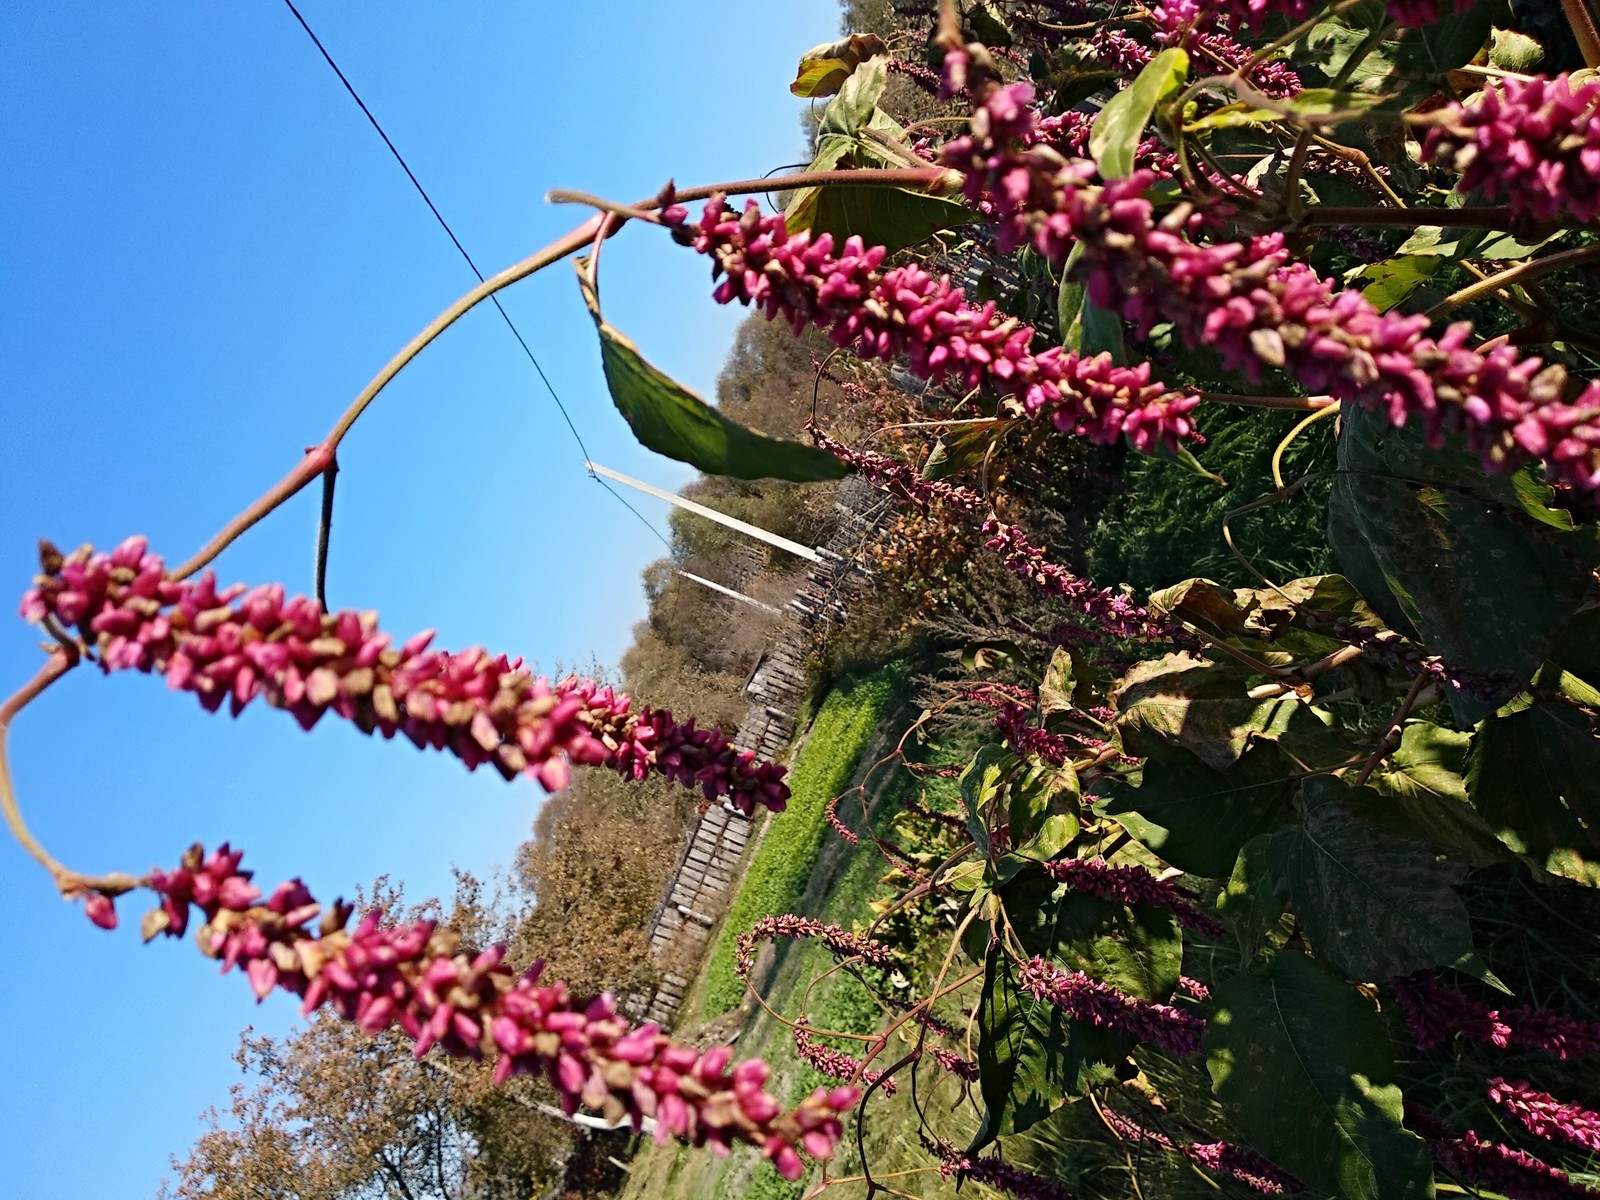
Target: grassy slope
{"type": "Point", "coordinates": [783, 861]}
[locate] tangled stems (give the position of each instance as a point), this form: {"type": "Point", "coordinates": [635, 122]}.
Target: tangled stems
{"type": "Point", "coordinates": [419, 978]}
{"type": "Point", "coordinates": [233, 645]}
{"type": "Point", "coordinates": [1116, 612]}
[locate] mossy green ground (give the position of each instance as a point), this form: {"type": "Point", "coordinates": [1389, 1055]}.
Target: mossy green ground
{"type": "Point", "coordinates": [837, 885]}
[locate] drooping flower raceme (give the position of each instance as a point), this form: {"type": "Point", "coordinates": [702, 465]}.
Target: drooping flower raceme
{"type": "Point", "coordinates": [233, 645]}
{"type": "Point", "coordinates": [1533, 142]}
{"type": "Point", "coordinates": [417, 977]}
{"type": "Point", "coordinates": [908, 312]}
{"type": "Point", "coordinates": [1545, 1116]}
{"type": "Point", "coordinates": [1133, 885]}
{"type": "Point", "coordinates": [1103, 1005]}
{"type": "Point", "coordinates": [1115, 611]}
{"type": "Point", "coordinates": [1255, 307]}
{"type": "Point", "coordinates": [1225, 1158]}
{"type": "Point", "coordinates": [1435, 1014]}
{"type": "Point", "coordinates": [1501, 1168]}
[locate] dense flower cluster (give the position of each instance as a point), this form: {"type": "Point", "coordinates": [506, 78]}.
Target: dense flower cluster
{"type": "Point", "coordinates": [909, 312]}
{"type": "Point", "coordinates": [960, 1067]}
{"type": "Point", "coordinates": [1500, 1168]}
{"type": "Point", "coordinates": [1253, 306]}
{"type": "Point", "coordinates": [1012, 723]}
{"type": "Point", "coordinates": [1545, 1116]}
{"type": "Point", "coordinates": [993, 1171]}
{"type": "Point", "coordinates": [1103, 1005]}
{"type": "Point", "coordinates": [1133, 885]}
{"type": "Point", "coordinates": [836, 938]}
{"type": "Point", "coordinates": [836, 1063]}
{"type": "Point", "coordinates": [417, 977]}
{"type": "Point", "coordinates": [1536, 142]}
{"type": "Point", "coordinates": [234, 645]}
{"type": "Point", "coordinates": [1435, 1013]}
{"type": "Point", "coordinates": [1193, 988]}
{"type": "Point", "coordinates": [1173, 15]}
{"type": "Point", "coordinates": [1225, 1158]}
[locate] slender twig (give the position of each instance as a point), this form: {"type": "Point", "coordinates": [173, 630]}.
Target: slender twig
{"type": "Point", "coordinates": [1391, 737]}
{"type": "Point", "coordinates": [325, 533]}
{"type": "Point", "coordinates": [1512, 276]}
{"type": "Point", "coordinates": [1291, 403]}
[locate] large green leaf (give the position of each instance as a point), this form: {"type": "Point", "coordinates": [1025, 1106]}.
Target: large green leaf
{"type": "Point", "coordinates": [1449, 555]}
{"type": "Point", "coordinates": [1427, 794]}
{"type": "Point", "coordinates": [1534, 776]}
{"type": "Point", "coordinates": [670, 419]}
{"type": "Point", "coordinates": [1205, 708]}
{"type": "Point", "coordinates": [1197, 818]}
{"type": "Point", "coordinates": [1374, 904]}
{"type": "Point", "coordinates": [1304, 1070]}
{"type": "Point", "coordinates": [1120, 126]}
{"type": "Point", "coordinates": [890, 217]}
{"type": "Point", "coordinates": [1031, 1056]}
{"type": "Point", "coordinates": [824, 69]}
{"type": "Point", "coordinates": [1086, 328]}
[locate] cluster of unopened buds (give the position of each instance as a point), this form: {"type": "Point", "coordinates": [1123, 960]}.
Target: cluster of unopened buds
{"type": "Point", "coordinates": [1493, 1165]}
{"type": "Point", "coordinates": [1133, 885]}
{"type": "Point", "coordinates": [838, 1064]}
{"type": "Point", "coordinates": [1103, 1005]}
{"type": "Point", "coordinates": [1545, 1116]}
{"type": "Point", "coordinates": [233, 645]}
{"type": "Point", "coordinates": [1435, 1014]}
{"type": "Point", "coordinates": [417, 977]}
{"type": "Point", "coordinates": [993, 1171]}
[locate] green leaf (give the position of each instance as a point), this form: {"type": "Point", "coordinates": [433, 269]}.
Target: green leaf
{"type": "Point", "coordinates": [987, 26]}
{"type": "Point", "coordinates": [1197, 818]}
{"type": "Point", "coordinates": [981, 784]}
{"type": "Point", "coordinates": [824, 69]}
{"type": "Point", "coordinates": [1120, 126]}
{"type": "Point", "coordinates": [1441, 46]}
{"type": "Point", "coordinates": [1204, 707]}
{"type": "Point", "coordinates": [1532, 776]}
{"type": "Point", "coordinates": [891, 217]}
{"type": "Point", "coordinates": [1448, 555]}
{"type": "Point", "coordinates": [959, 450]}
{"type": "Point", "coordinates": [1043, 811]}
{"type": "Point", "coordinates": [851, 110]}
{"type": "Point", "coordinates": [1373, 904]}
{"type": "Point", "coordinates": [985, 656]}
{"type": "Point", "coordinates": [1427, 794]}
{"type": "Point", "coordinates": [1304, 1070]}
{"type": "Point", "coordinates": [1388, 284]}
{"type": "Point", "coordinates": [1030, 1056]}
{"type": "Point", "coordinates": [668, 418]}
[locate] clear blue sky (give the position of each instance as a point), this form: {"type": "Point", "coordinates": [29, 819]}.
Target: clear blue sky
{"type": "Point", "coordinates": [207, 252]}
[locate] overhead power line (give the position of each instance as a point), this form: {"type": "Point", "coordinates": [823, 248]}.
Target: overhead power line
{"type": "Point", "coordinates": [495, 300]}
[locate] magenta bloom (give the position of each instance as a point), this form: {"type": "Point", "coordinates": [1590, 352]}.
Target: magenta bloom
{"type": "Point", "coordinates": [235, 645]}
{"type": "Point", "coordinates": [1436, 1013]}
{"type": "Point", "coordinates": [1133, 885]}
{"type": "Point", "coordinates": [1534, 142]}
{"type": "Point", "coordinates": [1255, 307]}
{"type": "Point", "coordinates": [417, 977]}
{"type": "Point", "coordinates": [910, 313]}
{"type": "Point", "coordinates": [1088, 1000]}
{"type": "Point", "coordinates": [1545, 1116]}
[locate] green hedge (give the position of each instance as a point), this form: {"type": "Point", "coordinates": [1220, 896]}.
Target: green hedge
{"type": "Point", "coordinates": [782, 865]}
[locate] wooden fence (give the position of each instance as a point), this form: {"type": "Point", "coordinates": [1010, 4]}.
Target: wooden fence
{"type": "Point", "coordinates": [709, 864]}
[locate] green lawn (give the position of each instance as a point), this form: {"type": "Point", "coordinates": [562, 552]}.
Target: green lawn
{"type": "Point", "coordinates": [783, 861]}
